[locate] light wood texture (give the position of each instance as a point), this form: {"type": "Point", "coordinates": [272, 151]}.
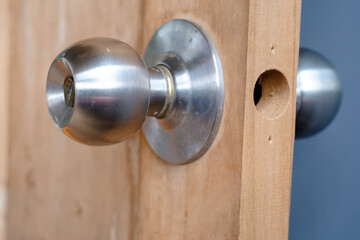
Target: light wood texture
{"type": "Point", "coordinates": [200, 200]}
{"type": "Point", "coordinates": [273, 43]}
{"type": "Point", "coordinates": [4, 113]}
{"type": "Point", "coordinates": [240, 189]}
{"type": "Point", "coordinates": [59, 189]}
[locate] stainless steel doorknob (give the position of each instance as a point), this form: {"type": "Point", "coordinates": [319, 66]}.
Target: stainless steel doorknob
{"type": "Point", "coordinates": [100, 91]}
{"type": "Point", "coordinates": [318, 93]}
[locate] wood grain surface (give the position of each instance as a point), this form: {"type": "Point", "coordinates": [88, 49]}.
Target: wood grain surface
{"type": "Point", "coordinates": [59, 189]}
{"type": "Point", "coordinates": [4, 114]}
{"type": "Point", "coordinates": [240, 189]}
{"type": "Point", "coordinates": [273, 43]}
{"type": "Point", "coordinates": [200, 200]}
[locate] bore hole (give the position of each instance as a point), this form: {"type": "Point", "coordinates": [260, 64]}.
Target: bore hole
{"type": "Point", "coordinates": [271, 94]}
{"type": "Point", "coordinates": [69, 91]}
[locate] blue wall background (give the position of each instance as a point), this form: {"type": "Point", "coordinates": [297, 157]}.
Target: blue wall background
{"type": "Point", "coordinates": [325, 201]}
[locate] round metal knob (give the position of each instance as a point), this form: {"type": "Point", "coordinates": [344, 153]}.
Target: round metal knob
{"type": "Point", "coordinates": [100, 91]}
{"type": "Point", "coordinates": [318, 93]}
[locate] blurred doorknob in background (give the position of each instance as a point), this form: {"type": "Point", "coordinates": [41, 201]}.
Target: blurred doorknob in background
{"type": "Point", "coordinates": [318, 93]}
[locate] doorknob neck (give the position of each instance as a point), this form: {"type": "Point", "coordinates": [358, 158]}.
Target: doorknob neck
{"type": "Point", "coordinates": [162, 91]}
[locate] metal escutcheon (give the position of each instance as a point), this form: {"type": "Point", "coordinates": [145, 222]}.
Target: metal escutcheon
{"type": "Point", "coordinates": [190, 128]}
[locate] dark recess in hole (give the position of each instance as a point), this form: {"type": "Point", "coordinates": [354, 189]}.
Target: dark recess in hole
{"type": "Point", "coordinates": [257, 92]}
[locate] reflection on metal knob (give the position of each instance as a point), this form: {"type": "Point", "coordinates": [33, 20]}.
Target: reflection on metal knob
{"type": "Point", "coordinates": [100, 91]}
{"type": "Point", "coordinates": [318, 93]}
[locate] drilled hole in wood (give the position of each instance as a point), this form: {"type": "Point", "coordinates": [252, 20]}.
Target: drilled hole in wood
{"type": "Point", "coordinates": [271, 94]}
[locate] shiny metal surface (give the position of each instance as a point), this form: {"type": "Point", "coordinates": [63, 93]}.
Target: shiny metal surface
{"type": "Point", "coordinates": [162, 91]}
{"type": "Point", "coordinates": [188, 131]}
{"type": "Point", "coordinates": [318, 93]}
{"type": "Point", "coordinates": [99, 91]}
{"type": "Point", "coordinates": [110, 87]}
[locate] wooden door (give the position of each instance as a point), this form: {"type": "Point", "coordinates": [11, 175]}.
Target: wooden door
{"type": "Point", "coordinates": [54, 188]}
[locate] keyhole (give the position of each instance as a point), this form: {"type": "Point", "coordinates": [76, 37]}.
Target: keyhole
{"type": "Point", "coordinates": [69, 91]}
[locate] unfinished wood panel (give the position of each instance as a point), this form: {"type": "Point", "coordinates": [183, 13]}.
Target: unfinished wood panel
{"type": "Point", "coordinates": [200, 200]}
{"type": "Point", "coordinates": [268, 139]}
{"type": "Point", "coordinates": [60, 189]}
{"type": "Point", "coordinates": [240, 189]}
{"type": "Point", "coordinates": [4, 110]}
